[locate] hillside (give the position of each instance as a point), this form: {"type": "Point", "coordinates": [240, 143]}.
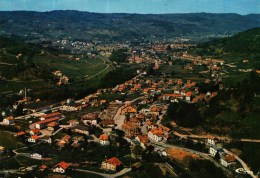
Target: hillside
{"type": "Point", "coordinates": [118, 27]}
{"type": "Point", "coordinates": [247, 42]}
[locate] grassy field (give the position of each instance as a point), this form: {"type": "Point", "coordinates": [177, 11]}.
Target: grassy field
{"type": "Point", "coordinates": [73, 69]}
{"type": "Point", "coordinates": [16, 86]}
{"type": "Point", "coordinates": [9, 141]}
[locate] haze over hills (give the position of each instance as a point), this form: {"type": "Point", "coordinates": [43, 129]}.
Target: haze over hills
{"type": "Point", "coordinates": [121, 27]}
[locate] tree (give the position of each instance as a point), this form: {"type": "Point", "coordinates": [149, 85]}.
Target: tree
{"type": "Point", "coordinates": [178, 113]}
{"type": "Point", "coordinates": [137, 150]}
{"type": "Point", "coordinates": [19, 110]}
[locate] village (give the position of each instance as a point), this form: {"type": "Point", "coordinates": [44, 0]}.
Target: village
{"type": "Point", "coordinates": [132, 122]}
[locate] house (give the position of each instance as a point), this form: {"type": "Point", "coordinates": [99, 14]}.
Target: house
{"type": "Point", "coordinates": [52, 126]}
{"type": "Point", "coordinates": [111, 164]}
{"type": "Point", "coordinates": [82, 129]}
{"type": "Point", "coordinates": [128, 109]}
{"type": "Point", "coordinates": [210, 141]}
{"type": "Point", "coordinates": [47, 139]}
{"type": "Point", "coordinates": [36, 156]}
{"type": "Point", "coordinates": [20, 134]}
{"type": "Point", "coordinates": [155, 111]}
{"type": "Point", "coordinates": [188, 96]}
{"type": "Point", "coordinates": [90, 118]}
{"type": "Point", "coordinates": [156, 134]}
{"type": "Point", "coordinates": [151, 125]}
{"type": "Point", "coordinates": [143, 140]}
{"type": "Point", "coordinates": [130, 129]}
{"type": "Point", "coordinates": [44, 123]}
{"type": "Point", "coordinates": [73, 122]}
{"type": "Point", "coordinates": [61, 167]}
{"type": "Point", "coordinates": [35, 132]}
{"type": "Point", "coordinates": [43, 168]}
{"type": "Point", "coordinates": [214, 150]}
{"type": "Point", "coordinates": [64, 141]}
{"type": "Point", "coordinates": [51, 115]}
{"type": "Point", "coordinates": [104, 139]}
{"type": "Point", "coordinates": [227, 160]}
{"type": "Point", "coordinates": [108, 122]}
{"type": "Point", "coordinates": [33, 139]}
{"type": "Point", "coordinates": [8, 121]}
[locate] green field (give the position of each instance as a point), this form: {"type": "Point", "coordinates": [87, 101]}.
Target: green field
{"type": "Point", "coordinates": [16, 86]}
{"type": "Point", "coordinates": [9, 141]}
{"type": "Point", "coordinates": [73, 69]}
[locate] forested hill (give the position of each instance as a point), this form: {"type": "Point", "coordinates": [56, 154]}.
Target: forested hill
{"type": "Point", "coordinates": [243, 43]}
{"type": "Point", "coordinates": [118, 27]}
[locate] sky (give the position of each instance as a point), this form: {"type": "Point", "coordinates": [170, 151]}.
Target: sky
{"type": "Point", "coordinates": [136, 6]}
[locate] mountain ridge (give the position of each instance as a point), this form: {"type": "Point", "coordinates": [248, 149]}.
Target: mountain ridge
{"type": "Point", "coordinates": [122, 26]}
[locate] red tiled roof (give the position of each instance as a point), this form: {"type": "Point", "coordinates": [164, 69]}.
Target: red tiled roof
{"type": "Point", "coordinates": [52, 124]}
{"type": "Point", "coordinates": [103, 137]}
{"type": "Point", "coordinates": [230, 158]}
{"type": "Point", "coordinates": [35, 130]}
{"type": "Point", "coordinates": [63, 165]}
{"type": "Point", "coordinates": [55, 114]}
{"type": "Point", "coordinates": [114, 161]}
{"type": "Point", "coordinates": [35, 137]}
{"type": "Point", "coordinates": [20, 133]}
{"type": "Point", "coordinates": [47, 120]}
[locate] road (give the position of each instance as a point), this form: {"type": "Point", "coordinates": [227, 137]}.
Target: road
{"type": "Point", "coordinates": [107, 66]}
{"type": "Point", "coordinates": [203, 155]}
{"type": "Point", "coordinates": [118, 118]}
{"type": "Point", "coordinates": [245, 166]}
{"type": "Point", "coordinates": [120, 173]}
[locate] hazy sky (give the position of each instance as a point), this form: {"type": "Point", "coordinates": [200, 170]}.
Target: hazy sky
{"type": "Point", "coordinates": [136, 6]}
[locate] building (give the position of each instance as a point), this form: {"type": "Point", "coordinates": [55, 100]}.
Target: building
{"type": "Point", "coordinates": [104, 139]}
{"type": "Point", "coordinates": [227, 160]}
{"type": "Point", "coordinates": [33, 139]}
{"type": "Point", "coordinates": [111, 164]}
{"type": "Point", "coordinates": [64, 141]}
{"type": "Point", "coordinates": [131, 129]}
{"type": "Point", "coordinates": [143, 141]}
{"type": "Point", "coordinates": [156, 134]}
{"type": "Point", "coordinates": [214, 150]}
{"type": "Point", "coordinates": [61, 167]}
{"type": "Point", "coordinates": [128, 109]}
{"type": "Point", "coordinates": [73, 122]}
{"type": "Point", "coordinates": [35, 132]}
{"type": "Point", "coordinates": [51, 115]}
{"type": "Point", "coordinates": [90, 118]}
{"type": "Point", "coordinates": [8, 121]}
{"type": "Point", "coordinates": [82, 129]}
{"type": "Point", "coordinates": [44, 123]}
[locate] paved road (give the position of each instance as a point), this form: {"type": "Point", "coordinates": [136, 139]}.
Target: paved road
{"type": "Point", "coordinates": [118, 118]}
{"type": "Point", "coordinates": [245, 166]}
{"type": "Point", "coordinates": [203, 155]}
{"type": "Point", "coordinates": [120, 173]}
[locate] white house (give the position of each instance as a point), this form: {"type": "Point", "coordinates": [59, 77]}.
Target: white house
{"type": "Point", "coordinates": [61, 167]}
{"type": "Point", "coordinates": [104, 139]}
{"type": "Point", "coordinates": [33, 139]}
{"type": "Point", "coordinates": [8, 120]}
{"type": "Point", "coordinates": [213, 150]}
{"type": "Point", "coordinates": [210, 141]}
{"type": "Point", "coordinates": [156, 134]}
{"type": "Point", "coordinates": [36, 155]}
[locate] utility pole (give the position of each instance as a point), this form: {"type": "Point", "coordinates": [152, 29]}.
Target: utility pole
{"type": "Point", "coordinates": [25, 94]}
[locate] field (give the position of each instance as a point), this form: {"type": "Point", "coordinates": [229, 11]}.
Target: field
{"type": "Point", "coordinates": [180, 155]}
{"type": "Point", "coordinates": [91, 70]}
{"type": "Point", "coordinates": [74, 69]}
{"type": "Point", "coordinates": [9, 141]}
